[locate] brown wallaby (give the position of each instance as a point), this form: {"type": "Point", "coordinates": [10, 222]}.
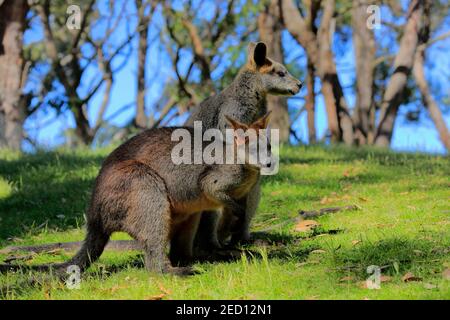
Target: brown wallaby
{"type": "Point", "coordinates": [244, 100]}
{"type": "Point", "coordinates": [141, 191]}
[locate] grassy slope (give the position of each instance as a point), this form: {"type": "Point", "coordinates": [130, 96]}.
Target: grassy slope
{"type": "Point", "coordinates": [403, 226]}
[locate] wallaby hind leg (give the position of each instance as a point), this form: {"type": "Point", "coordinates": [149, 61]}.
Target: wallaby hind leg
{"type": "Point", "coordinates": [181, 246]}
{"type": "Point", "coordinates": [226, 227]}
{"type": "Point", "coordinates": [242, 233]}
{"type": "Point", "coordinates": [148, 220]}
{"type": "Point", "coordinates": [206, 238]}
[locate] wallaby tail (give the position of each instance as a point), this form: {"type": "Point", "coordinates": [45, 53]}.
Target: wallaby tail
{"type": "Point", "coordinates": [90, 251]}
{"type": "Point", "coordinates": [57, 268]}
{"type": "Point", "coordinates": [92, 248]}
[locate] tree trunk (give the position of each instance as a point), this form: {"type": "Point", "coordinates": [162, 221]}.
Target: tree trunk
{"type": "Point", "coordinates": [327, 71]}
{"type": "Point", "coordinates": [83, 131]}
{"type": "Point", "coordinates": [143, 23]}
{"type": "Point", "coordinates": [364, 49]}
{"type": "Point", "coordinates": [312, 8]}
{"type": "Point", "coordinates": [12, 75]}
{"type": "Point", "coordinates": [302, 31]}
{"type": "Point", "coordinates": [319, 51]}
{"type": "Point", "coordinates": [298, 28]}
{"type": "Point", "coordinates": [422, 84]}
{"type": "Point", "coordinates": [428, 101]}
{"type": "Point", "coordinates": [310, 103]}
{"type": "Point", "coordinates": [341, 125]}
{"type": "Point", "coordinates": [270, 27]}
{"type": "Point", "coordinates": [403, 64]}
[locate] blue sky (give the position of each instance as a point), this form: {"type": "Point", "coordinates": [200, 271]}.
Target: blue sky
{"type": "Point", "coordinates": [420, 136]}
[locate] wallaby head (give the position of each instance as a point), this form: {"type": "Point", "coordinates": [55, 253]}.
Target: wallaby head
{"type": "Point", "coordinates": [274, 76]}
{"type": "Point", "coordinates": [254, 139]}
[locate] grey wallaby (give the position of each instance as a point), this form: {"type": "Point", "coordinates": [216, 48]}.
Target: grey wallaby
{"type": "Point", "coordinates": [142, 191]}
{"type": "Point", "coordinates": [244, 100]}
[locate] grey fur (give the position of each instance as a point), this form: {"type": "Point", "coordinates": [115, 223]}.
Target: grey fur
{"type": "Point", "coordinates": [141, 191]}
{"type": "Point", "coordinates": [244, 100]}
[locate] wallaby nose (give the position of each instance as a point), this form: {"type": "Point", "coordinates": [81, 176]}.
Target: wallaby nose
{"type": "Point", "coordinates": [299, 85]}
{"type": "Point", "coordinates": [268, 165]}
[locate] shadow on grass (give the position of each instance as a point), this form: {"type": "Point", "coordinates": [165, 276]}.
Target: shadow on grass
{"type": "Point", "coordinates": [47, 191]}
{"type": "Point", "coordinates": [277, 241]}
{"type": "Point", "coordinates": [273, 238]}
{"type": "Point", "coordinates": [393, 256]}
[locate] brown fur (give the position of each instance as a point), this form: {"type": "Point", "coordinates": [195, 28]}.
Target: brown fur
{"type": "Point", "coordinates": [139, 190]}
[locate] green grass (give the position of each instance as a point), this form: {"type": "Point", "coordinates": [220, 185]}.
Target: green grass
{"type": "Point", "coordinates": [403, 226]}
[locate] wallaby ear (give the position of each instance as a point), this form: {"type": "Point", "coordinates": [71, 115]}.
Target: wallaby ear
{"type": "Point", "coordinates": [236, 124]}
{"type": "Point", "coordinates": [250, 51]}
{"type": "Point", "coordinates": [262, 122]}
{"type": "Point", "coordinates": [239, 130]}
{"type": "Point", "coordinates": [239, 137]}
{"type": "Point", "coordinates": [257, 53]}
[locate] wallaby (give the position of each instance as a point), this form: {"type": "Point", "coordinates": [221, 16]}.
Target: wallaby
{"type": "Point", "coordinates": [141, 191]}
{"type": "Point", "coordinates": [244, 100]}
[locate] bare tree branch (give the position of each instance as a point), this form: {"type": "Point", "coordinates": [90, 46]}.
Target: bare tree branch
{"type": "Point", "coordinates": [402, 66]}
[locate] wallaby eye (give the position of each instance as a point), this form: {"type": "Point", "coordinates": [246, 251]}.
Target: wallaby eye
{"type": "Point", "coordinates": [281, 73]}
